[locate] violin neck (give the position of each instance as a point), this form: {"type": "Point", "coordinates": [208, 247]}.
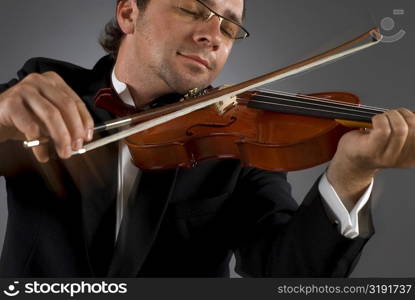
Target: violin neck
{"type": "Point", "coordinates": [350, 115]}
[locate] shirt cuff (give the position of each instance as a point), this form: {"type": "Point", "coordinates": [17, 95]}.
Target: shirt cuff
{"type": "Point", "coordinates": [348, 222]}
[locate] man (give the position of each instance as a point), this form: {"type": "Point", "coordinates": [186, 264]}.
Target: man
{"type": "Point", "coordinates": [79, 216]}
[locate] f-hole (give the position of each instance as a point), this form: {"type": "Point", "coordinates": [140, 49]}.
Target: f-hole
{"type": "Point", "coordinates": [214, 125]}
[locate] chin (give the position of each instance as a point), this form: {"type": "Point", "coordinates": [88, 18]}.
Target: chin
{"type": "Point", "coordinates": [187, 84]}
{"type": "Point", "coordinates": [186, 79]}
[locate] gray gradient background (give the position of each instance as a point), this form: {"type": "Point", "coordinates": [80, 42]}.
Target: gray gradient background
{"type": "Point", "coordinates": [283, 32]}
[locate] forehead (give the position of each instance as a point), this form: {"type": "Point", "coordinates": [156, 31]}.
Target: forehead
{"type": "Point", "coordinates": [232, 9]}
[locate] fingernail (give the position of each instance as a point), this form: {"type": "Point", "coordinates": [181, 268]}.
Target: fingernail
{"type": "Point", "coordinates": [90, 134]}
{"type": "Point", "coordinates": [44, 160]}
{"type": "Point", "coordinates": [78, 144]}
{"type": "Point", "coordinates": [68, 152]}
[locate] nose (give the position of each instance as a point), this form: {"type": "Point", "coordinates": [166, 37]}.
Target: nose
{"type": "Point", "coordinates": [208, 33]}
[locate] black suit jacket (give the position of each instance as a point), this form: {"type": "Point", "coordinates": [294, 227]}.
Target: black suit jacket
{"type": "Point", "coordinates": [182, 222]}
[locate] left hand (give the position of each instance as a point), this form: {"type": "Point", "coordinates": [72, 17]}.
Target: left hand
{"type": "Point", "coordinates": [360, 154]}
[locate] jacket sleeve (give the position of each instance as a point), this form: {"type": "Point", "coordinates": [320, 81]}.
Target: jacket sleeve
{"type": "Point", "coordinates": [273, 237]}
{"type": "Point", "coordinates": [30, 66]}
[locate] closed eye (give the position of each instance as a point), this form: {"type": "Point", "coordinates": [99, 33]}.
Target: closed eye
{"type": "Point", "coordinates": [189, 12]}
{"type": "Point", "coordinates": [227, 33]}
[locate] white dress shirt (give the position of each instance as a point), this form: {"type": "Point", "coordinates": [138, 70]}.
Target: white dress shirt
{"type": "Point", "coordinates": [127, 173]}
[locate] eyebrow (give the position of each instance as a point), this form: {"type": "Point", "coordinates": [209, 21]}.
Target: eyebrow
{"type": "Point", "coordinates": [228, 13]}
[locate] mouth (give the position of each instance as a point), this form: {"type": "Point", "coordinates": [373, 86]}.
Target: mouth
{"type": "Point", "coordinates": [196, 59]}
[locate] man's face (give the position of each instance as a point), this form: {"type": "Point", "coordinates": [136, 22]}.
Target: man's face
{"type": "Point", "coordinates": [182, 54]}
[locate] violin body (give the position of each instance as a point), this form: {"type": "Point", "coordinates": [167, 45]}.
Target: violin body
{"type": "Point", "coordinates": [259, 138]}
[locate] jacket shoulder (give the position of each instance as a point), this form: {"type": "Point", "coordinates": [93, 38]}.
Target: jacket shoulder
{"type": "Point", "coordinates": [75, 76]}
{"type": "Point", "coordinates": [43, 64]}
{"type": "Point", "coordinates": [71, 73]}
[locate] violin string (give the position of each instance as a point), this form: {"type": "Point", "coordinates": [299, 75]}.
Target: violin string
{"type": "Point", "coordinates": [308, 108]}
{"type": "Point", "coordinates": [334, 102]}
{"type": "Point", "coordinates": [340, 103]}
{"type": "Point", "coordinates": [324, 105]}
{"type": "Point", "coordinates": [324, 100]}
{"type": "Point", "coordinates": [311, 102]}
{"type": "Point", "coordinates": [343, 113]}
{"type": "Point", "coordinates": [318, 106]}
{"type": "Point", "coordinates": [381, 110]}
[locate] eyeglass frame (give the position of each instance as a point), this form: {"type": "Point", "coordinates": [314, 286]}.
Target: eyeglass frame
{"type": "Point", "coordinates": [221, 18]}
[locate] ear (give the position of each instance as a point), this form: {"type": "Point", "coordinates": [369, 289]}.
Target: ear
{"type": "Point", "coordinates": [127, 12]}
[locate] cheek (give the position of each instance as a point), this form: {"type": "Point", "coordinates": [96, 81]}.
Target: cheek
{"type": "Point", "coordinates": [165, 43]}
{"type": "Point", "coordinates": [223, 57]}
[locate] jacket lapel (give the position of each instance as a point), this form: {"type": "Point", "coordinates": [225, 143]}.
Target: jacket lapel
{"type": "Point", "coordinates": [98, 184]}
{"type": "Point", "coordinates": [141, 222]}
{"type": "Point", "coordinates": [96, 174]}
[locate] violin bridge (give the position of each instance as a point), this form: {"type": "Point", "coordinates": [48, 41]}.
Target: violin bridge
{"type": "Point", "coordinates": [222, 106]}
{"type": "Point", "coordinates": [225, 105]}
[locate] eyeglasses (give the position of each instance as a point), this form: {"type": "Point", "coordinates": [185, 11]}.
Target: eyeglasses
{"type": "Point", "coordinates": [196, 10]}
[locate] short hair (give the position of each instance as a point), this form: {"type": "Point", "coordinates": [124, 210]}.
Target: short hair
{"type": "Point", "coordinates": [111, 37]}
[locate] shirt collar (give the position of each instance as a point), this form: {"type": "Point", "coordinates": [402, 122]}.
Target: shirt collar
{"type": "Point", "coordinates": [124, 93]}
{"type": "Point", "coordinates": [122, 89]}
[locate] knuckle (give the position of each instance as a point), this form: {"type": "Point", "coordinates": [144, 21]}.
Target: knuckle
{"type": "Point", "coordinates": [401, 131]}
{"type": "Point", "coordinates": [33, 129]}
{"type": "Point", "coordinates": [379, 118]}
{"type": "Point", "coordinates": [51, 74]}
{"type": "Point", "coordinates": [53, 77]}
{"type": "Point", "coordinates": [52, 113]}
{"type": "Point", "coordinates": [27, 89]}
{"type": "Point", "coordinates": [387, 132]}
{"type": "Point", "coordinates": [33, 77]}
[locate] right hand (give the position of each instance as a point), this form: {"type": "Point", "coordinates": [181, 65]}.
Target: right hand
{"type": "Point", "coordinates": [44, 105]}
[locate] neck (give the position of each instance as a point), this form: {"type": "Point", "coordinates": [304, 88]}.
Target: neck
{"type": "Point", "coordinates": [143, 86]}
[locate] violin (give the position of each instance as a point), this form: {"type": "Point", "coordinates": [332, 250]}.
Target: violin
{"type": "Point", "coordinates": [271, 131]}
{"type": "Point", "coordinates": [264, 129]}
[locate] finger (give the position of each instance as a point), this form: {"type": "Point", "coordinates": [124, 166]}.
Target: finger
{"type": "Point", "coordinates": [54, 92]}
{"type": "Point", "coordinates": [41, 152]}
{"type": "Point", "coordinates": [409, 117]}
{"type": "Point", "coordinates": [69, 113]}
{"type": "Point", "coordinates": [86, 119]}
{"type": "Point", "coordinates": [85, 116]}
{"type": "Point", "coordinates": [30, 127]}
{"type": "Point", "coordinates": [399, 134]}
{"type": "Point", "coordinates": [51, 117]}
{"type": "Point", "coordinates": [408, 152]}
{"type": "Point", "coordinates": [380, 134]}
